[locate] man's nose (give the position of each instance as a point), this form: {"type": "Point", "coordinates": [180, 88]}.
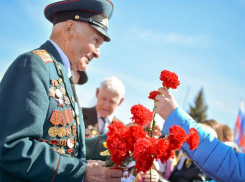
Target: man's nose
{"type": "Point", "coordinates": [96, 53]}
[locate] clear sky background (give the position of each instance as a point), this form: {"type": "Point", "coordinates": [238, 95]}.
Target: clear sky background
{"type": "Point", "coordinates": [203, 42]}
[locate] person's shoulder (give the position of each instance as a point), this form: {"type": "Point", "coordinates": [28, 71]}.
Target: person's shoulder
{"type": "Point", "coordinates": [34, 58]}
{"type": "Point", "coordinates": [87, 109]}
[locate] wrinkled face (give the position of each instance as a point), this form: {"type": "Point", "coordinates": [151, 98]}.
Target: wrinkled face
{"type": "Point", "coordinates": [107, 101]}
{"type": "Point", "coordinates": [82, 44]}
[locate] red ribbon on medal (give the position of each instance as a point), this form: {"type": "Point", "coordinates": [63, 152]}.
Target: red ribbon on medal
{"type": "Point", "coordinates": [61, 117]}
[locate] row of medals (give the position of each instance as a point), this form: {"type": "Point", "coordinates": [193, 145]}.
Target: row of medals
{"type": "Point", "coordinates": [58, 92]}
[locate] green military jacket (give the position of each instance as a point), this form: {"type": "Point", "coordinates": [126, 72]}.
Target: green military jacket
{"type": "Point", "coordinates": [42, 131]}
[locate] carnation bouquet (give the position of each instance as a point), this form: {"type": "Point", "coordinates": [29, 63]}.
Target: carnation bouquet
{"type": "Point", "coordinates": [132, 147]}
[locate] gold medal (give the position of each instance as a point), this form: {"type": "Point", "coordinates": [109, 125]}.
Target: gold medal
{"type": "Point", "coordinates": [52, 92]}
{"type": "Point", "coordinates": [56, 84]}
{"type": "Point", "coordinates": [61, 150]}
{"type": "Point", "coordinates": [68, 131]}
{"type": "Point", "coordinates": [63, 90]}
{"type": "Point", "coordinates": [61, 132]}
{"type": "Point", "coordinates": [53, 131]}
{"type": "Point", "coordinates": [94, 133]}
{"type": "Point", "coordinates": [60, 81]}
{"type": "Point", "coordinates": [74, 129]}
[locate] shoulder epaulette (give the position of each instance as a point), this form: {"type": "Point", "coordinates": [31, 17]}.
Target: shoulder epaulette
{"type": "Point", "coordinates": [42, 53]}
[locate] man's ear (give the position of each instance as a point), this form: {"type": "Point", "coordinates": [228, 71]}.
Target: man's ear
{"type": "Point", "coordinates": [69, 27]}
{"type": "Point", "coordinates": [121, 100]}
{"type": "Point", "coordinates": [97, 92]}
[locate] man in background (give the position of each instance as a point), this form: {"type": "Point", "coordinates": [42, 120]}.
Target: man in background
{"type": "Point", "coordinates": [109, 96]}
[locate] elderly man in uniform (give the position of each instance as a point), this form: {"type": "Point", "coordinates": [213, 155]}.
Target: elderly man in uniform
{"type": "Point", "coordinates": [109, 97]}
{"type": "Point", "coordinates": [42, 130]}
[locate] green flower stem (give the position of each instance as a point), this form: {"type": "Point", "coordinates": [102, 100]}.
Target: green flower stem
{"type": "Point", "coordinates": [150, 175]}
{"type": "Point", "coordinates": [154, 121]}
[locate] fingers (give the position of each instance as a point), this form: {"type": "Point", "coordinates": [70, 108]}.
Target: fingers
{"type": "Point", "coordinates": [157, 128]}
{"type": "Point", "coordinates": [97, 162]}
{"type": "Point", "coordinates": [163, 91]}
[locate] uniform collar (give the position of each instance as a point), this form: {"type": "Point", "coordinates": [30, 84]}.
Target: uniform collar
{"type": "Point", "coordinates": [64, 58]}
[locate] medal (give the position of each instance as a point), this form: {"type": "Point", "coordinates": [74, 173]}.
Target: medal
{"type": "Point", "coordinates": [74, 129]}
{"type": "Point", "coordinates": [61, 150]}
{"type": "Point", "coordinates": [53, 131]}
{"type": "Point", "coordinates": [54, 142]}
{"type": "Point", "coordinates": [62, 142]}
{"type": "Point", "coordinates": [94, 133]}
{"type": "Point", "coordinates": [70, 151]}
{"type": "Point", "coordinates": [67, 101]}
{"type": "Point", "coordinates": [68, 131]}
{"type": "Point", "coordinates": [56, 84]}
{"type": "Point", "coordinates": [52, 81]}
{"type": "Point", "coordinates": [53, 118]}
{"type": "Point", "coordinates": [61, 132]}
{"type": "Point", "coordinates": [60, 81]}
{"type": "Point", "coordinates": [70, 143]}
{"type": "Point", "coordinates": [63, 90]}
{"type": "Point", "coordinates": [90, 127]}
{"type": "Point", "coordinates": [60, 103]}
{"type": "Point", "coordinates": [58, 93]}
{"type": "Point", "coordinates": [68, 115]}
{"type": "Point", "coordinates": [52, 92]}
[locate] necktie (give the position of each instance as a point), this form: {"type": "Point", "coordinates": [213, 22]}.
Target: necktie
{"type": "Point", "coordinates": [103, 126]}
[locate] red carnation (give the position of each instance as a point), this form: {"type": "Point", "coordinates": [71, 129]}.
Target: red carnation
{"type": "Point", "coordinates": [133, 134]}
{"type": "Point", "coordinates": [193, 139]}
{"type": "Point", "coordinates": [116, 142]}
{"type": "Point", "coordinates": [169, 79]}
{"type": "Point", "coordinates": [163, 151]}
{"type": "Point", "coordinates": [141, 115]}
{"type": "Point", "coordinates": [177, 136]}
{"type": "Point", "coordinates": [142, 154]}
{"type": "Point", "coordinates": [153, 94]}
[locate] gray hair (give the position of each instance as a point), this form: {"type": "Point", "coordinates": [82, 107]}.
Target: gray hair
{"type": "Point", "coordinates": [113, 84]}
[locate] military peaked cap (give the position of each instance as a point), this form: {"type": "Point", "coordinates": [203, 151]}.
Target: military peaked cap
{"type": "Point", "coordinates": [96, 12]}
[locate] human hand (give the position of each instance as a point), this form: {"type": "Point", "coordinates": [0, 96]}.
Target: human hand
{"type": "Point", "coordinates": [97, 173]}
{"type": "Point", "coordinates": [145, 177]}
{"type": "Point", "coordinates": [156, 132]}
{"type": "Point", "coordinates": [165, 103]}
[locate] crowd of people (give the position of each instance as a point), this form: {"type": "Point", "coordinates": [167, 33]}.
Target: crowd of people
{"type": "Point", "coordinates": [46, 136]}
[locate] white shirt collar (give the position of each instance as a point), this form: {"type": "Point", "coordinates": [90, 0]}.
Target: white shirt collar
{"type": "Point", "coordinates": [110, 118]}
{"type": "Point", "coordinates": [64, 59]}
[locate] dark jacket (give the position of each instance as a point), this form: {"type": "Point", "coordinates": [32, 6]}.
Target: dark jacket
{"type": "Point", "coordinates": [26, 149]}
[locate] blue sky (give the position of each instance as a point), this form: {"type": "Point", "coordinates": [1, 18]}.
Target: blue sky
{"type": "Point", "coordinates": [201, 41]}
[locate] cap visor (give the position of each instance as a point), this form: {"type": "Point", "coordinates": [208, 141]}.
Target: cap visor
{"type": "Point", "coordinates": [103, 32]}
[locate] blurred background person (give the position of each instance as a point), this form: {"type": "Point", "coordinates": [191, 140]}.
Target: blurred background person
{"type": "Point", "coordinates": [109, 96]}
{"type": "Point", "coordinates": [228, 137]}
{"type": "Point", "coordinates": [186, 170]}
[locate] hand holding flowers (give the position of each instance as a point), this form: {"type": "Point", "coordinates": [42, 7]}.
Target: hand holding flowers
{"type": "Point", "coordinates": [133, 143]}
